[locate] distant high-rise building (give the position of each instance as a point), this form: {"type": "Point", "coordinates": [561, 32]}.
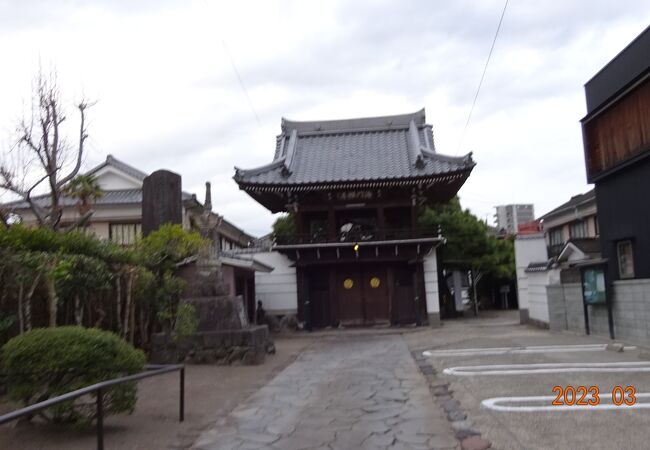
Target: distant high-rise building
{"type": "Point", "coordinates": [509, 217]}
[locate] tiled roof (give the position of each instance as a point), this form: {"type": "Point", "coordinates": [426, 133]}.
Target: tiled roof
{"type": "Point", "coordinates": [367, 149]}
{"type": "Point", "coordinates": [110, 197]}
{"type": "Point", "coordinates": [541, 266]}
{"type": "Point", "coordinates": [587, 245]}
{"type": "Point", "coordinates": [116, 197]}
{"type": "Point", "coordinates": [244, 261]}
{"type": "Point", "coordinates": [575, 201]}
{"type": "Point", "coordinates": [120, 197]}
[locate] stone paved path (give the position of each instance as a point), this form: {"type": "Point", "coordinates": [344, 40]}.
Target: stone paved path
{"type": "Point", "coordinates": [343, 392]}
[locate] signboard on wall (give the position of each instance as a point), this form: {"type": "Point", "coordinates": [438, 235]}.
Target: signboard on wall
{"type": "Point", "coordinates": [593, 286]}
{"type": "Point", "coordinates": [594, 292]}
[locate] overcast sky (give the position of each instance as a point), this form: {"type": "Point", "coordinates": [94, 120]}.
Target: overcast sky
{"type": "Point", "coordinates": [164, 75]}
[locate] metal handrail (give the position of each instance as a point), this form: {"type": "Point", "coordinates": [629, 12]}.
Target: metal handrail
{"type": "Point", "coordinates": [370, 235]}
{"type": "Point", "coordinates": [151, 371]}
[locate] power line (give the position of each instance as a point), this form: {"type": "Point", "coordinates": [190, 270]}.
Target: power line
{"type": "Point", "coordinates": [482, 76]}
{"type": "Point", "coordinates": [241, 82]}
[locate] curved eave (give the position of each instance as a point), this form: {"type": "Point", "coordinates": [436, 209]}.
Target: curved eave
{"type": "Point", "coordinates": [356, 184]}
{"type": "Point", "coordinates": [242, 173]}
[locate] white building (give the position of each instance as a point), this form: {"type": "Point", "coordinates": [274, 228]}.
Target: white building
{"type": "Point", "coordinates": [509, 217]}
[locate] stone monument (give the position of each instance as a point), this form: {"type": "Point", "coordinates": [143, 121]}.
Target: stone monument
{"type": "Point", "coordinates": [223, 335]}
{"type": "Point", "coordinates": [161, 200]}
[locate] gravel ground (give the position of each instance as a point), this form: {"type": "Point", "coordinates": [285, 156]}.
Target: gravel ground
{"type": "Point", "coordinates": [212, 392]}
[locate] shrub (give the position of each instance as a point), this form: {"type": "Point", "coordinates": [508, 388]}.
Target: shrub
{"type": "Point", "coordinates": [48, 362]}
{"type": "Point", "coordinates": [284, 229]}
{"type": "Point", "coordinates": [168, 245]}
{"type": "Point", "coordinates": [187, 321]}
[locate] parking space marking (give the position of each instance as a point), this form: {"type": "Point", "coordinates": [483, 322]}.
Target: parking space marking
{"type": "Point", "coordinates": [521, 369]}
{"type": "Point", "coordinates": [524, 349]}
{"type": "Point", "coordinates": [496, 404]}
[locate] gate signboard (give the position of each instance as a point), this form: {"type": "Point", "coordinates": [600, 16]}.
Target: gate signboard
{"type": "Point", "coordinates": [593, 285]}
{"type": "Point", "coordinates": [595, 291]}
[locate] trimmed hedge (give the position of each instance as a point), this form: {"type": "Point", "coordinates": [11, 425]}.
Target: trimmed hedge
{"type": "Point", "coordinates": [47, 362]}
{"type": "Point", "coordinates": [20, 238]}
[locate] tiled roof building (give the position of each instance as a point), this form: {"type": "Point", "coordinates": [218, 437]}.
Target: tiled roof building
{"type": "Point", "coordinates": [355, 188]}
{"type": "Point", "coordinates": [356, 153]}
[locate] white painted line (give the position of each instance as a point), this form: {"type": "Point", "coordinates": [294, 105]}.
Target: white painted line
{"type": "Point", "coordinates": [521, 369]}
{"type": "Point", "coordinates": [495, 404]}
{"type": "Point", "coordinates": [510, 350]}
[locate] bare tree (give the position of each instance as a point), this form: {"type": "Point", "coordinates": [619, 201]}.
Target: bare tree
{"type": "Point", "coordinates": [45, 152]}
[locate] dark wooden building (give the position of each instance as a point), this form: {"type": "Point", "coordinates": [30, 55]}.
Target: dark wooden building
{"type": "Point", "coordinates": [616, 136]}
{"type": "Point", "coordinates": [355, 189]}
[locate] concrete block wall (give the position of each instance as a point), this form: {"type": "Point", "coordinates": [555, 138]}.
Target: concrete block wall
{"type": "Point", "coordinates": [565, 307]}
{"type": "Point", "coordinates": [557, 314]}
{"type": "Point", "coordinates": [630, 310]}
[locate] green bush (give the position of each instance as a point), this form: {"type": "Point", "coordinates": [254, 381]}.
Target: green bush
{"type": "Point", "coordinates": [284, 229]}
{"type": "Point", "coordinates": [168, 245]}
{"type": "Point", "coordinates": [19, 238]}
{"type": "Point", "coordinates": [48, 362]}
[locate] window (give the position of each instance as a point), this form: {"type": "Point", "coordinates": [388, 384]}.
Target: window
{"type": "Point", "coordinates": [625, 256]}
{"type": "Point", "coordinates": [555, 237]}
{"type": "Point", "coordinates": [578, 230]}
{"type": "Point", "coordinates": [125, 233]}
{"type": "Point", "coordinates": [596, 231]}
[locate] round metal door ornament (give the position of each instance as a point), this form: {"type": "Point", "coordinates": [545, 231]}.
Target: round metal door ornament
{"type": "Point", "coordinates": [348, 283]}
{"type": "Point", "coordinates": [375, 282]}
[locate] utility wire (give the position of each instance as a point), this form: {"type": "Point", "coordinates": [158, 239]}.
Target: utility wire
{"type": "Point", "coordinates": [241, 82]}
{"type": "Point", "coordinates": [482, 77]}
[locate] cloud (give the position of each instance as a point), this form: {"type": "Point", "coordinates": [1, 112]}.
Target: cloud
{"type": "Point", "coordinates": [164, 75]}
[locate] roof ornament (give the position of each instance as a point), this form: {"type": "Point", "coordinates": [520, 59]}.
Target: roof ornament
{"type": "Point", "coordinates": [207, 206]}
{"type": "Point", "coordinates": [291, 149]}
{"type": "Point", "coordinates": [414, 145]}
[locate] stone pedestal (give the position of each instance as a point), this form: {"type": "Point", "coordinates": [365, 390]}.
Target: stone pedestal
{"type": "Point", "coordinates": [247, 346]}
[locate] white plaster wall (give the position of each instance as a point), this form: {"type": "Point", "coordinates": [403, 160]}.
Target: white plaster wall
{"type": "Point", "coordinates": [110, 180]}
{"type": "Point", "coordinates": [278, 290]}
{"type": "Point", "coordinates": [430, 266]}
{"type": "Point", "coordinates": [537, 298]}
{"type": "Point", "coordinates": [528, 248]}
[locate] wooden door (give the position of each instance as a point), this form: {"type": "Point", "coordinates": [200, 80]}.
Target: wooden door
{"type": "Point", "coordinates": [348, 281]}
{"type": "Point", "coordinates": [319, 297]}
{"type": "Point", "coordinates": [404, 295]}
{"type": "Point", "coordinates": [375, 296]}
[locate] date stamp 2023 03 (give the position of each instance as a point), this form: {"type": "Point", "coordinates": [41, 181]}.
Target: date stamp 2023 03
{"type": "Point", "coordinates": [590, 396]}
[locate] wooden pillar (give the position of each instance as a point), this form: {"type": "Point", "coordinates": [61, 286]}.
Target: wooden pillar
{"type": "Point", "coordinates": [390, 280]}
{"type": "Point", "coordinates": [331, 222]}
{"type": "Point", "coordinates": [381, 222]}
{"type": "Point", "coordinates": [333, 297]}
{"type": "Point", "coordinates": [303, 297]}
{"type": "Point", "coordinates": [414, 211]}
{"type": "Point", "coordinates": [300, 225]}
